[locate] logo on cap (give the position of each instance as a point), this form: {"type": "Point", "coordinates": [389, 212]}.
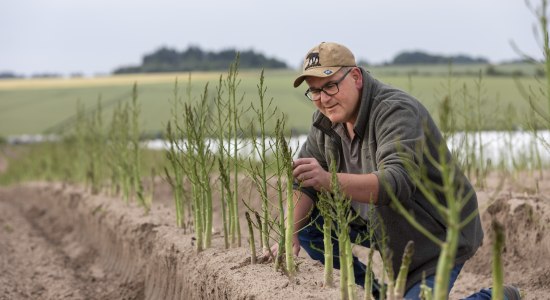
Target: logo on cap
{"type": "Point", "coordinates": [327, 72]}
{"type": "Point", "coordinates": [312, 60]}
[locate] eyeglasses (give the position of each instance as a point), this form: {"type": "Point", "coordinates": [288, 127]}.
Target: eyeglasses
{"type": "Point", "coordinates": [330, 88]}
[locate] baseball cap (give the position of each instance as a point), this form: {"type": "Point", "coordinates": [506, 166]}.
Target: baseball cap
{"type": "Point", "coordinates": [324, 60]}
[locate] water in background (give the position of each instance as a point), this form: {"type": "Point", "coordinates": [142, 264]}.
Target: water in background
{"type": "Point", "coordinates": [487, 147]}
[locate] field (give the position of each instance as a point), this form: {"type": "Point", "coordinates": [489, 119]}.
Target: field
{"type": "Point", "coordinates": [96, 216]}
{"type": "Point", "coordinates": [38, 106]}
{"type": "Point", "coordinates": [63, 243]}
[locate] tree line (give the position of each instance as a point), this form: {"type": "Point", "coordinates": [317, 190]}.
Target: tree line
{"type": "Point", "coordinates": [195, 59]}
{"type": "Point", "coordinates": [419, 57]}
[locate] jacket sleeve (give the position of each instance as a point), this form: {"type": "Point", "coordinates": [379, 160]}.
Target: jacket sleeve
{"type": "Point", "coordinates": [400, 141]}
{"type": "Point", "coordinates": [312, 148]}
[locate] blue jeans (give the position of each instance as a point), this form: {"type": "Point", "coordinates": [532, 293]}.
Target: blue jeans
{"type": "Point", "coordinates": [311, 239]}
{"type": "Point", "coordinates": [414, 291]}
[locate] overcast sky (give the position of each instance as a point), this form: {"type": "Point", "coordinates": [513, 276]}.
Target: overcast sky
{"type": "Point", "coordinates": [97, 36]}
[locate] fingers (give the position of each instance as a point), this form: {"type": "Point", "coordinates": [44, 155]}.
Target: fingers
{"type": "Point", "coordinates": [302, 161]}
{"type": "Point", "coordinates": [275, 250]}
{"type": "Point", "coordinates": [309, 173]}
{"type": "Point", "coordinates": [296, 249]}
{"type": "Point", "coordinates": [295, 245]}
{"type": "Point", "coordinates": [303, 166]}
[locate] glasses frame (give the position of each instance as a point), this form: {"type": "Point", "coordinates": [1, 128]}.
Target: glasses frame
{"type": "Point", "coordinates": [322, 89]}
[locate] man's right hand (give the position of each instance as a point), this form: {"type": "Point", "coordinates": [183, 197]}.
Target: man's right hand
{"type": "Point", "coordinates": [303, 205]}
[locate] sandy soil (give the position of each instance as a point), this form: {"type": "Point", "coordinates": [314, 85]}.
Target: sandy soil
{"type": "Point", "coordinates": [59, 242]}
{"type": "Point", "coordinates": [523, 207]}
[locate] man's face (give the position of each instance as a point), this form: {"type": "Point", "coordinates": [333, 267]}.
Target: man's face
{"type": "Point", "coordinates": [343, 106]}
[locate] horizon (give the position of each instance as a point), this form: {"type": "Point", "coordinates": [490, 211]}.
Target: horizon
{"type": "Point", "coordinates": [96, 37]}
{"type": "Point", "coordinates": [289, 67]}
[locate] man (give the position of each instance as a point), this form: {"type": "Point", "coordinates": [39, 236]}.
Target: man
{"type": "Point", "coordinates": [377, 136]}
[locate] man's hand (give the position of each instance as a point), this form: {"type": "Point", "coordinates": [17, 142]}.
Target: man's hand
{"type": "Point", "coordinates": [295, 247]}
{"type": "Point", "coordinates": [309, 173]}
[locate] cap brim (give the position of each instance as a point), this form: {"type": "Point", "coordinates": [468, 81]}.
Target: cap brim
{"type": "Point", "coordinates": [316, 72]}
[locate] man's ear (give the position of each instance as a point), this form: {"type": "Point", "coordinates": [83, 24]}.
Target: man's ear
{"type": "Point", "coordinates": [357, 76]}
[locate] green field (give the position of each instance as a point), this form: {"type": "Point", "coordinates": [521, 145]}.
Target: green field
{"type": "Point", "coordinates": [35, 106]}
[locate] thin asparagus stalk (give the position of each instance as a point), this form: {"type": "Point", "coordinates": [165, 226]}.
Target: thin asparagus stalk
{"type": "Point", "coordinates": [498, 244]}
{"type": "Point", "coordinates": [399, 290]}
{"type": "Point", "coordinates": [251, 239]}
{"type": "Point", "coordinates": [260, 229]}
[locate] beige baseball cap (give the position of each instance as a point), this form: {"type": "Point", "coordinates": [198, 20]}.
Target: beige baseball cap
{"type": "Point", "coordinates": [324, 60]}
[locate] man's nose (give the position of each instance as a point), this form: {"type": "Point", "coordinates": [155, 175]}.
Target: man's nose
{"type": "Point", "coordinates": [325, 97]}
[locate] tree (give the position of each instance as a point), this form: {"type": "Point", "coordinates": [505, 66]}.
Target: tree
{"type": "Point", "coordinates": [194, 59]}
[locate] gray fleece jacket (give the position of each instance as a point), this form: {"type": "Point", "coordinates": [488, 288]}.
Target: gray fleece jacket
{"type": "Point", "coordinates": [398, 137]}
